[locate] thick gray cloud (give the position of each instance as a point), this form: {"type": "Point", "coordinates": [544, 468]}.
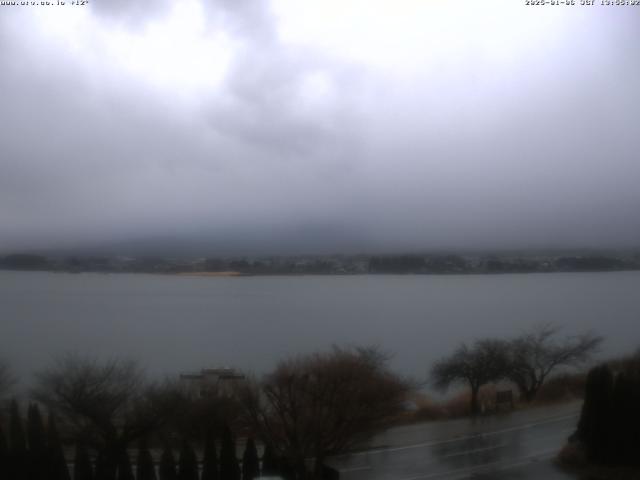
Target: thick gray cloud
{"type": "Point", "coordinates": [269, 136]}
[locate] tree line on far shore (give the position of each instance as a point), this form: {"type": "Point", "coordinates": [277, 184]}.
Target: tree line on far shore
{"type": "Point", "coordinates": [331, 264]}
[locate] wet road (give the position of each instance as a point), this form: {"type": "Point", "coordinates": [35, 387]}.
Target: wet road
{"type": "Point", "coordinates": [519, 445]}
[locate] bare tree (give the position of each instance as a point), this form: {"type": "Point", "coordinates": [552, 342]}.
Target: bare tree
{"type": "Point", "coordinates": [323, 404]}
{"type": "Point", "coordinates": [484, 362]}
{"type": "Point", "coordinates": [108, 403]}
{"type": "Point", "coordinates": [535, 354]}
{"type": "Point", "coordinates": [6, 378]}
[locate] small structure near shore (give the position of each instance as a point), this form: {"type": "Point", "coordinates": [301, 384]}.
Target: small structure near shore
{"type": "Point", "coordinates": [212, 381]}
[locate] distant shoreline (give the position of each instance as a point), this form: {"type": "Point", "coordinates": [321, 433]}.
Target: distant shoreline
{"type": "Point", "coordinates": [235, 274]}
{"type": "Point", "coordinates": [416, 264]}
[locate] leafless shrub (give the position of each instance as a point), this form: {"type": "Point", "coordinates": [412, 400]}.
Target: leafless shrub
{"type": "Point", "coordinates": [324, 404]}
{"type": "Point", "coordinates": [107, 403]}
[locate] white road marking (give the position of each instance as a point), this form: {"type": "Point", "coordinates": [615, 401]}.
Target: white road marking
{"type": "Point", "coordinates": [457, 454]}
{"type": "Point", "coordinates": [436, 460]}
{"type": "Point", "coordinates": [458, 439]}
{"type": "Point", "coordinates": [466, 470]}
{"type": "Point", "coordinates": [355, 469]}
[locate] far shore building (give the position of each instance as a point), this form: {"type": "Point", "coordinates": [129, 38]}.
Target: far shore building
{"type": "Point", "coordinates": [211, 381]}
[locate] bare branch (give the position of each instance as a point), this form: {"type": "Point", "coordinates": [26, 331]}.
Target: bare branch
{"type": "Point", "coordinates": [323, 404]}
{"type": "Point", "coordinates": [7, 381]}
{"type": "Point", "coordinates": [110, 401]}
{"type": "Point", "coordinates": [484, 362]}
{"type": "Point", "coordinates": [535, 354]}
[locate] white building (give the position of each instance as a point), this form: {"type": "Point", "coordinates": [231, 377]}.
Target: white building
{"type": "Point", "coordinates": [211, 381]}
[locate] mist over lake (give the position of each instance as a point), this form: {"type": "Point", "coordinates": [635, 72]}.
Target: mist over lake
{"type": "Point", "coordinates": [177, 323]}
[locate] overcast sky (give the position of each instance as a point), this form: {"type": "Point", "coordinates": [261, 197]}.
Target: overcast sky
{"type": "Point", "coordinates": [349, 125]}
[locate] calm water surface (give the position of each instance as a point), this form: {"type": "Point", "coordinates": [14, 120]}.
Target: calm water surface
{"type": "Point", "coordinates": [173, 323]}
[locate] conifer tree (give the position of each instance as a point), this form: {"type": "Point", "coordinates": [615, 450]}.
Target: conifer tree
{"type": "Point", "coordinates": [269, 462]}
{"type": "Point", "coordinates": [229, 468]}
{"type": "Point", "coordinates": [145, 469]}
{"type": "Point", "coordinates": [167, 468]}
{"type": "Point", "coordinates": [594, 427]}
{"type": "Point", "coordinates": [4, 456]}
{"type": "Point", "coordinates": [210, 460]}
{"type": "Point", "coordinates": [635, 420]}
{"type": "Point", "coordinates": [188, 463]}
{"type": "Point", "coordinates": [286, 470]}
{"type": "Point", "coordinates": [105, 467]}
{"type": "Point", "coordinates": [36, 436]}
{"type": "Point", "coordinates": [250, 461]}
{"type": "Point", "coordinates": [18, 461]}
{"type": "Point", "coordinates": [82, 469]}
{"type": "Point", "coordinates": [623, 428]}
{"type": "Point", "coordinates": [58, 469]}
{"type": "Point", "coordinates": [125, 471]}
{"type": "Point", "coordinates": [108, 461]}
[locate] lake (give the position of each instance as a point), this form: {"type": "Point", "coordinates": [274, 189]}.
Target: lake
{"type": "Point", "coordinates": [177, 323]}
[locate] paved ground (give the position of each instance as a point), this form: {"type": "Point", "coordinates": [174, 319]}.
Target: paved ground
{"type": "Point", "coordinates": [519, 445]}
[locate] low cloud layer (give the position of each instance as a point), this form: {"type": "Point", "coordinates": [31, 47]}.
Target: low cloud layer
{"type": "Point", "coordinates": [357, 128]}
